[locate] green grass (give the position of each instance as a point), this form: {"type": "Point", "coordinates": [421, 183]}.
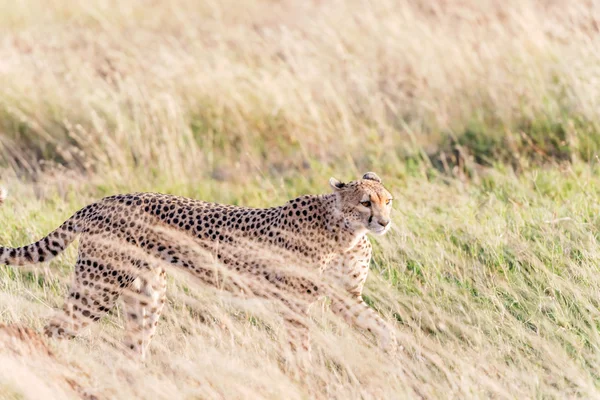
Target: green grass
{"type": "Point", "coordinates": [493, 286]}
{"type": "Point", "coordinates": [481, 118]}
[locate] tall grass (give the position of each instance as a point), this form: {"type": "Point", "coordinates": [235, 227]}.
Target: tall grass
{"type": "Point", "coordinates": [481, 116]}
{"type": "Point", "coordinates": [220, 88]}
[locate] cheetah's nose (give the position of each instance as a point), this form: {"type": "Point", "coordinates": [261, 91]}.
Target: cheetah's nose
{"type": "Point", "coordinates": [384, 222]}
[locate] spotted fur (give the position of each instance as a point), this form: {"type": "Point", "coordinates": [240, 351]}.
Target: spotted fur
{"type": "Point", "coordinates": [126, 241]}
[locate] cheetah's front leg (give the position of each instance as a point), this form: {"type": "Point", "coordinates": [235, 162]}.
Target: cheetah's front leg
{"type": "Point", "coordinates": [356, 312]}
{"type": "Point", "coordinates": [348, 274]}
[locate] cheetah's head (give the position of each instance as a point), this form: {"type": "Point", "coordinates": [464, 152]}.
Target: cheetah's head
{"type": "Point", "coordinates": [365, 203]}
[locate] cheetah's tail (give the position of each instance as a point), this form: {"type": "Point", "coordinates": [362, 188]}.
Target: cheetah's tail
{"type": "Point", "coordinates": [44, 249]}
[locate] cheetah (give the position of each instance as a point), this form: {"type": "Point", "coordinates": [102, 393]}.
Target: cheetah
{"type": "Point", "coordinates": [326, 233]}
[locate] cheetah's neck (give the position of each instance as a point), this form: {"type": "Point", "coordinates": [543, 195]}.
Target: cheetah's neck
{"type": "Point", "coordinates": [345, 234]}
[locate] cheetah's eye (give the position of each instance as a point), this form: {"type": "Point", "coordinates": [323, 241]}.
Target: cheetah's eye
{"type": "Point", "coordinates": [365, 203]}
{"type": "Point", "coordinates": [388, 202]}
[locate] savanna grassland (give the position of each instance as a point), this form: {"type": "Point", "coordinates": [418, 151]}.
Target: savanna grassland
{"type": "Point", "coordinates": [482, 118]}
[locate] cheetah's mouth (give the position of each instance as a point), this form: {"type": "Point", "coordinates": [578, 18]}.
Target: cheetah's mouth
{"type": "Point", "coordinates": [379, 230]}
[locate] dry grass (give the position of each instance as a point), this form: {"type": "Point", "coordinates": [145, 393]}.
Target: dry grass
{"type": "Point", "coordinates": [218, 89]}
{"type": "Point", "coordinates": [490, 275]}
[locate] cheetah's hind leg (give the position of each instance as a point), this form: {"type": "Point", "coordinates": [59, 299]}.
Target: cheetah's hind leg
{"type": "Point", "coordinates": [97, 284]}
{"type": "Point", "coordinates": [143, 304]}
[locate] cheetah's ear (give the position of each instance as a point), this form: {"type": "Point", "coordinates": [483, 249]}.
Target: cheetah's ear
{"type": "Point", "coordinates": [335, 184]}
{"type": "Point", "coordinates": [372, 176]}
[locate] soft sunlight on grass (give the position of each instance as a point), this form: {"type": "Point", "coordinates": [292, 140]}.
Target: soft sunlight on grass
{"type": "Point", "coordinates": [480, 116]}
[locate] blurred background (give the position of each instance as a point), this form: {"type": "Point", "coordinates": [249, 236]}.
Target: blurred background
{"type": "Point", "coordinates": [196, 90]}
{"type": "Point", "coordinates": [481, 116]}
